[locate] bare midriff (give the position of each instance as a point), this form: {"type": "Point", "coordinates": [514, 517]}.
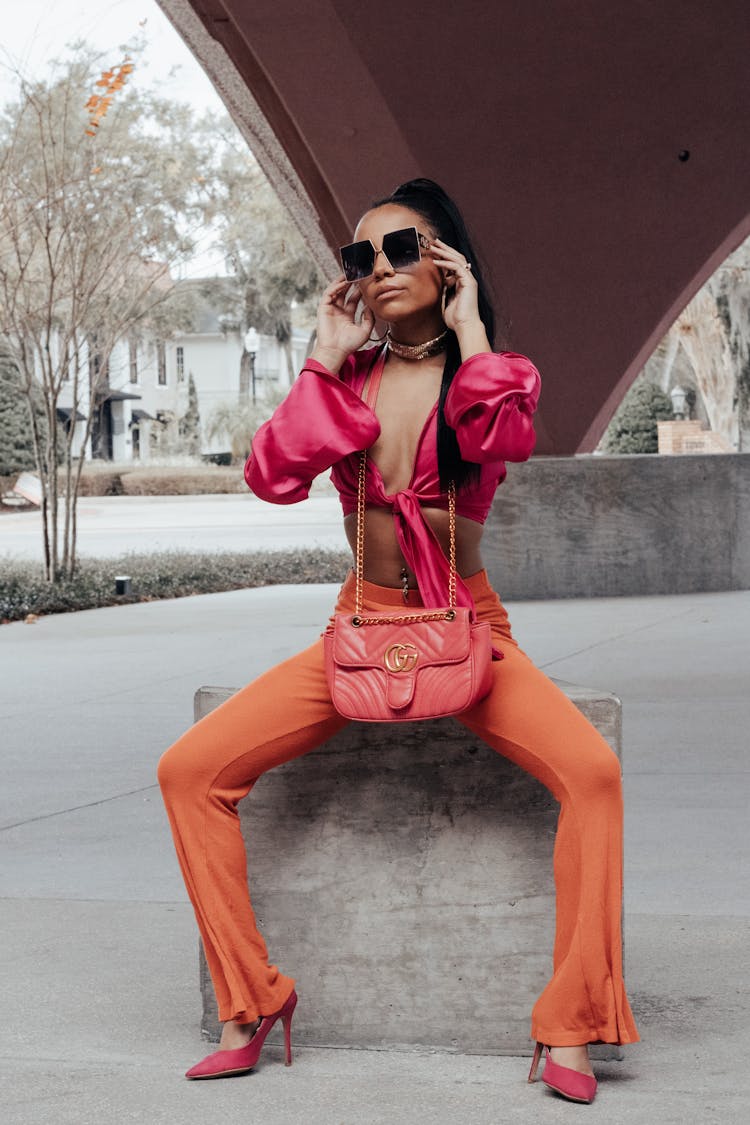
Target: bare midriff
{"type": "Point", "coordinates": [384, 561]}
{"type": "Point", "coordinates": [406, 400]}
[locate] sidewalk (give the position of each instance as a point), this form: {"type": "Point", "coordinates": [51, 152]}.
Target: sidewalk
{"type": "Point", "coordinates": [100, 998]}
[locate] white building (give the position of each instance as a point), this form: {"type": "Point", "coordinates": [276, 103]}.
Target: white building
{"type": "Point", "coordinates": [145, 393]}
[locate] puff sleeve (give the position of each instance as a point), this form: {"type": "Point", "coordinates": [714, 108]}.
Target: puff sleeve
{"type": "Point", "coordinates": [490, 405]}
{"type": "Point", "coordinates": [320, 421]}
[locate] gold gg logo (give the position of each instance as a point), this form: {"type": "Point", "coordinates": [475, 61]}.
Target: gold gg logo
{"type": "Point", "coordinates": [401, 657]}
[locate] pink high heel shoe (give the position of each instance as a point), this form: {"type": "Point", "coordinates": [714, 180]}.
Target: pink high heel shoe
{"type": "Point", "coordinates": [570, 1083]}
{"type": "Point", "coordinates": [242, 1059]}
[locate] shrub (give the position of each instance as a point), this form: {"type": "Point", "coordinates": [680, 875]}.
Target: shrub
{"type": "Point", "coordinates": [633, 428]}
{"type": "Point", "coordinates": [187, 481]}
{"type": "Point", "coordinates": [16, 443]}
{"type": "Point", "coordinates": [107, 479]}
{"type": "Point", "coordinates": [101, 479]}
{"type": "Point", "coordinates": [190, 423]}
{"type": "Point", "coordinates": [167, 574]}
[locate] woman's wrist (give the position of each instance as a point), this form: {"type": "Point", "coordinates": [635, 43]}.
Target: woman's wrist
{"type": "Point", "coordinates": [472, 339]}
{"type": "Point", "coordinates": [330, 358]}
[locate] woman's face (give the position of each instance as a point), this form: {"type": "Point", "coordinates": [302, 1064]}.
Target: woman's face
{"type": "Point", "coordinates": [398, 295]}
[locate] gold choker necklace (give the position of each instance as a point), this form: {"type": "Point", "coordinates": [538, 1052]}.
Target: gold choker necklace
{"type": "Point", "coordinates": [417, 351]}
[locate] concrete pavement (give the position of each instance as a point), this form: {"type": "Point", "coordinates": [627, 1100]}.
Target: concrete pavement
{"type": "Point", "coordinates": [113, 525]}
{"type": "Point", "coordinates": [99, 993]}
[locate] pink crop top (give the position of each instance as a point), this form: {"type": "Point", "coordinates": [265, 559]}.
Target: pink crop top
{"type": "Point", "coordinates": [323, 424]}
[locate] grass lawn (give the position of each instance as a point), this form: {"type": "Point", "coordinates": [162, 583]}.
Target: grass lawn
{"type": "Point", "coordinates": [166, 574]}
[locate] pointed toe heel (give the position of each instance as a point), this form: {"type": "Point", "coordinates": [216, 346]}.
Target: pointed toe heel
{"type": "Point", "coordinates": [223, 1063]}
{"type": "Point", "coordinates": [573, 1085]}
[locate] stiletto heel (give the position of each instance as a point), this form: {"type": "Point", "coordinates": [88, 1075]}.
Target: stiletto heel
{"type": "Point", "coordinates": [572, 1084]}
{"type": "Point", "coordinates": [238, 1061]}
{"type": "Point", "coordinates": [288, 1038]}
{"type": "Point", "coordinates": [535, 1062]}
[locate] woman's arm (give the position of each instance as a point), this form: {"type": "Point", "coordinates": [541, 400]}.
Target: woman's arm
{"type": "Point", "coordinates": [493, 396]}
{"type": "Point", "coordinates": [490, 405]}
{"type": "Point", "coordinates": [320, 421]}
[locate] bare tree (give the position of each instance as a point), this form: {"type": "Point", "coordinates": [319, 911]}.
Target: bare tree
{"type": "Point", "coordinates": [98, 200]}
{"type": "Point", "coordinates": [270, 267]}
{"type": "Point", "coordinates": [237, 423]}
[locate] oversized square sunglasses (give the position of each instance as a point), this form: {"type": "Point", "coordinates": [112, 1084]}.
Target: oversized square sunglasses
{"type": "Point", "coordinates": [402, 248]}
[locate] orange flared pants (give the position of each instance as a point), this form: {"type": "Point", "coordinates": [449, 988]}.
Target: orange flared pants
{"type": "Point", "coordinates": [288, 711]}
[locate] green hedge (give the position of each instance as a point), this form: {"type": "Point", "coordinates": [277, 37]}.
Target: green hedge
{"type": "Point", "coordinates": [168, 574]}
{"type": "Point", "coordinates": [107, 479]}
{"type": "Point", "coordinates": [102, 478]}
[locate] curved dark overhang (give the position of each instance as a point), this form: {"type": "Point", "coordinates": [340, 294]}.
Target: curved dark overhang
{"type": "Point", "coordinates": [105, 394]}
{"type": "Point", "coordinates": [561, 127]}
{"type": "Point", "coordinates": [64, 414]}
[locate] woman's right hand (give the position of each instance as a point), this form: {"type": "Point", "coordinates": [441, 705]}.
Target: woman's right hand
{"type": "Point", "coordinates": [338, 334]}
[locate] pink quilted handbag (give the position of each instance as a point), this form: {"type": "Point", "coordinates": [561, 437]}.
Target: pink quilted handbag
{"type": "Point", "coordinates": [406, 666]}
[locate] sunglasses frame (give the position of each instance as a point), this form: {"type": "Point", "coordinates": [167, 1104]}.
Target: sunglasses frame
{"type": "Point", "coordinates": [421, 239]}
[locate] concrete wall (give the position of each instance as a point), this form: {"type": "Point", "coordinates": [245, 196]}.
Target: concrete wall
{"type": "Point", "coordinates": [593, 526]}
{"type": "Point", "coordinates": [402, 874]}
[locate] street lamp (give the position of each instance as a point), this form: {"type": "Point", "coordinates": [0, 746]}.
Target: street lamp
{"type": "Point", "coordinates": [252, 341]}
{"type": "Point", "coordinates": [679, 401]}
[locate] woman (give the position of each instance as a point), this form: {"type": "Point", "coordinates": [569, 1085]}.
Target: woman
{"type": "Point", "coordinates": [433, 404]}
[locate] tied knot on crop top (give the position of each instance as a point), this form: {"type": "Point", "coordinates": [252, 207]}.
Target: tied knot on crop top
{"type": "Point", "coordinates": [324, 423]}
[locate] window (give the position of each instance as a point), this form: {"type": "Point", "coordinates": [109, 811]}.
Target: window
{"type": "Point", "coordinates": [133, 357]}
{"type": "Point", "coordinates": [161, 364]}
{"type": "Point", "coordinates": [180, 364]}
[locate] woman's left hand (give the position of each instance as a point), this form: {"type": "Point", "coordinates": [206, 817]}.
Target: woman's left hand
{"type": "Point", "coordinates": [461, 308]}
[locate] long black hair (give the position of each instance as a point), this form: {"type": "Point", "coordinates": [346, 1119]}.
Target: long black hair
{"type": "Point", "coordinates": [430, 201]}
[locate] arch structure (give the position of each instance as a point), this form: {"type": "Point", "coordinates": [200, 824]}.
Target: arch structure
{"type": "Point", "coordinates": [597, 147]}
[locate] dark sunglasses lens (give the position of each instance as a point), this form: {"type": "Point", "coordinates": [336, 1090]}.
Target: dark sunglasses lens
{"type": "Point", "coordinates": [357, 260]}
{"type": "Point", "coordinates": [401, 247]}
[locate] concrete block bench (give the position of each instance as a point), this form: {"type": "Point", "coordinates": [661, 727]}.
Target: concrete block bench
{"type": "Point", "coordinates": [402, 874]}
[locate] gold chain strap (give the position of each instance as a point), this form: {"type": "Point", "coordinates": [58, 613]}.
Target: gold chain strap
{"type": "Point", "coordinates": [404, 619]}
{"type": "Point", "coordinates": [452, 530]}
{"type": "Point", "coordinates": [360, 531]}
